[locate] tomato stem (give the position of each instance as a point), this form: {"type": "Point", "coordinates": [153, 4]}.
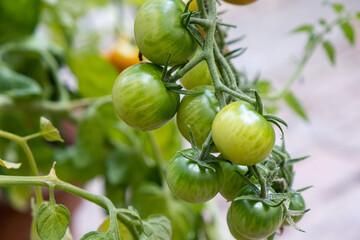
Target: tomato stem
{"type": "Point", "coordinates": [22, 141]}
{"type": "Point", "coordinates": [262, 181]}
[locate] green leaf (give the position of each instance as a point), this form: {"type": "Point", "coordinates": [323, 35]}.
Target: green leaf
{"type": "Point", "coordinates": [16, 85]}
{"type": "Point", "coordinates": [52, 221]}
{"type": "Point", "coordinates": [18, 197]}
{"type": "Point", "coordinates": [358, 15]}
{"type": "Point", "coordinates": [18, 18]}
{"type": "Point", "coordinates": [322, 21]}
{"type": "Point", "coordinates": [9, 165]}
{"type": "Point", "coordinates": [160, 227]}
{"type": "Point", "coordinates": [96, 76]}
{"type": "Point", "coordinates": [330, 51]}
{"type": "Point", "coordinates": [168, 139]}
{"type": "Point", "coordinates": [263, 86]}
{"type": "Point", "coordinates": [337, 7]}
{"type": "Point", "coordinates": [295, 105]}
{"type": "Point", "coordinates": [348, 31]}
{"type": "Point", "coordinates": [123, 167]}
{"type": "Point", "coordinates": [48, 131]}
{"type": "Point", "coordinates": [90, 141]}
{"type": "Point", "coordinates": [304, 28]}
{"type": "Point", "coordinates": [95, 236]}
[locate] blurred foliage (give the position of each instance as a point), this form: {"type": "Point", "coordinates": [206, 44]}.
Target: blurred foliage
{"type": "Point", "coordinates": [39, 40]}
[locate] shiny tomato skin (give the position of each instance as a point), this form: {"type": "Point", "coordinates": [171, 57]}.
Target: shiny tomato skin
{"type": "Point", "coordinates": [232, 230]}
{"type": "Point", "coordinates": [242, 135]}
{"type": "Point", "coordinates": [199, 75]}
{"type": "Point", "coordinates": [232, 182]}
{"type": "Point", "coordinates": [198, 111]}
{"type": "Point", "coordinates": [191, 182]}
{"type": "Point", "coordinates": [297, 203]}
{"type": "Point", "coordinates": [253, 219]}
{"type": "Point", "coordinates": [159, 31]}
{"type": "Point", "coordinates": [141, 99]}
{"type": "Point", "coordinates": [240, 2]}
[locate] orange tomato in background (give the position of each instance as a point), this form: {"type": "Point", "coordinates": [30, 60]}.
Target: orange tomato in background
{"type": "Point", "coordinates": [124, 54]}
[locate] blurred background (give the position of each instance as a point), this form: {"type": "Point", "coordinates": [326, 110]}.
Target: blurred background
{"type": "Point", "coordinates": [327, 92]}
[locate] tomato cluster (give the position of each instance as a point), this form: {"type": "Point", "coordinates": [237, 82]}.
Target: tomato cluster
{"type": "Point", "coordinates": [242, 135]}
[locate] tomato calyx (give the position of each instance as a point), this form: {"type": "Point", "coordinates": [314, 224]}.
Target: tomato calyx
{"type": "Point", "coordinates": [203, 156]}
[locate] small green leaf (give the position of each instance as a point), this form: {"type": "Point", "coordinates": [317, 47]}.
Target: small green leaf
{"type": "Point", "coordinates": [337, 7]}
{"type": "Point", "coordinates": [160, 227]}
{"type": "Point", "coordinates": [295, 105]}
{"type": "Point", "coordinates": [304, 28]}
{"type": "Point", "coordinates": [95, 236]}
{"type": "Point", "coordinates": [16, 85]}
{"type": "Point", "coordinates": [48, 131]}
{"type": "Point", "coordinates": [330, 51]}
{"type": "Point", "coordinates": [52, 221]}
{"type": "Point", "coordinates": [322, 21]}
{"type": "Point", "coordinates": [358, 15]}
{"type": "Point", "coordinates": [348, 31]}
{"type": "Point", "coordinates": [9, 165]}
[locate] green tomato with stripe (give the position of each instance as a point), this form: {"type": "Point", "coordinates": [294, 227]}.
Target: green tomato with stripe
{"type": "Point", "coordinates": [141, 99]}
{"type": "Point", "coordinates": [242, 135]}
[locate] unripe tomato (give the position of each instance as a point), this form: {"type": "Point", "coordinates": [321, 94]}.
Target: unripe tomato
{"type": "Point", "coordinates": [297, 203]}
{"type": "Point", "coordinates": [141, 99]}
{"type": "Point", "coordinates": [199, 75]}
{"type": "Point", "coordinates": [242, 135]}
{"type": "Point", "coordinates": [240, 2]}
{"type": "Point", "coordinates": [232, 230]}
{"type": "Point", "coordinates": [191, 182]}
{"type": "Point", "coordinates": [232, 182]}
{"type": "Point", "coordinates": [253, 219]}
{"type": "Point", "coordinates": [197, 111]}
{"type": "Point", "coordinates": [124, 54]}
{"type": "Point", "coordinates": [159, 31]}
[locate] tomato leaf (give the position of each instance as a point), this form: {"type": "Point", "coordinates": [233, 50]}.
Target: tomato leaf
{"type": "Point", "coordinates": [95, 236]}
{"type": "Point", "coordinates": [337, 7]}
{"type": "Point", "coordinates": [48, 131]}
{"type": "Point", "coordinates": [90, 141]}
{"type": "Point", "coordinates": [295, 105]}
{"type": "Point", "coordinates": [18, 20]}
{"type": "Point", "coordinates": [304, 28]}
{"type": "Point", "coordinates": [9, 165]}
{"type": "Point", "coordinates": [330, 51]}
{"type": "Point", "coordinates": [160, 227]}
{"type": "Point", "coordinates": [168, 139]}
{"type": "Point", "coordinates": [348, 31]}
{"type": "Point", "coordinates": [95, 76]}
{"type": "Point", "coordinates": [16, 85]}
{"type": "Point", "coordinates": [52, 221]}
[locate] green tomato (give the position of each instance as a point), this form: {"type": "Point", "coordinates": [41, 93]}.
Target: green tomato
{"type": "Point", "coordinates": [232, 230]}
{"type": "Point", "coordinates": [123, 230]}
{"type": "Point", "coordinates": [141, 99]}
{"type": "Point", "coordinates": [159, 31]}
{"type": "Point", "coordinates": [297, 203]}
{"type": "Point", "coordinates": [197, 111]}
{"type": "Point", "coordinates": [242, 135]}
{"type": "Point", "coordinates": [254, 219]}
{"type": "Point", "coordinates": [197, 76]}
{"type": "Point", "coordinates": [232, 182]}
{"type": "Point", "coordinates": [191, 182]}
